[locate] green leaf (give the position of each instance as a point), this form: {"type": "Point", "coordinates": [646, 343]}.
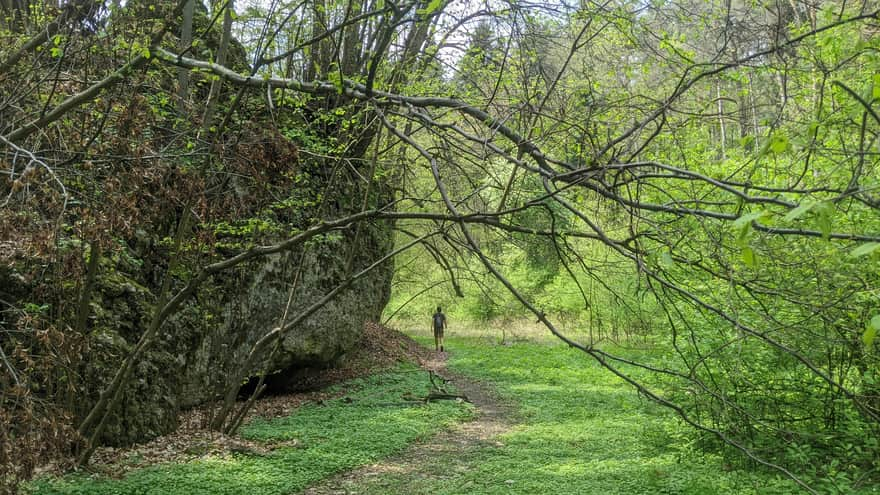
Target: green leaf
{"type": "Point", "coordinates": [431, 7]}
{"type": "Point", "coordinates": [798, 211]}
{"type": "Point", "coordinates": [865, 249]}
{"type": "Point", "coordinates": [742, 236]}
{"type": "Point", "coordinates": [666, 260]}
{"type": "Point", "coordinates": [335, 77]}
{"type": "Point", "coordinates": [824, 220]}
{"type": "Point", "coordinates": [748, 218]}
{"type": "Point", "coordinates": [876, 91]}
{"type": "Point", "coordinates": [748, 257]}
{"type": "Point", "coordinates": [779, 143]}
{"type": "Point", "coordinates": [744, 225]}
{"type": "Point", "coordinates": [871, 331]}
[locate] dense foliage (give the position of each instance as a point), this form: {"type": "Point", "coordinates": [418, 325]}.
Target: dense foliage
{"type": "Point", "coordinates": [731, 228]}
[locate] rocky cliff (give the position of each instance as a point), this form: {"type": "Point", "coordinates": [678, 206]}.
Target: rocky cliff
{"type": "Point", "coordinates": [126, 167]}
{"type": "Point", "coordinates": [212, 334]}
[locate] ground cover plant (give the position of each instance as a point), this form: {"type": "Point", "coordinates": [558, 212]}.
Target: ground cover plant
{"type": "Point", "coordinates": [579, 430]}
{"type": "Point", "coordinates": [574, 428]}
{"type": "Point", "coordinates": [372, 420]}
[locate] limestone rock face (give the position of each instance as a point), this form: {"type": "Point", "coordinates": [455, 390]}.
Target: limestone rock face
{"type": "Point", "coordinates": [210, 336]}
{"type": "Point", "coordinates": [259, 299]}
{"type": "Point", "coordinates": [121, 310]}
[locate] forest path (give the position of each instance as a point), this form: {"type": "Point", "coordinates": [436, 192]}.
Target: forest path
{"type": "Point", "coordinates": [438, 457]}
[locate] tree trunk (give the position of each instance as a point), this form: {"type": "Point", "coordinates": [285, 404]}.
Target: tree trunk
{"type": "Point", "coordinates": [185, 42]}
{"type": "Point", "coordinates": [723, 137]}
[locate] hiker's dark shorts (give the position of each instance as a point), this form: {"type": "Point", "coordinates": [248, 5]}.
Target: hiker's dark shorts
{"type": "Point", "coordinates": [438, 333]}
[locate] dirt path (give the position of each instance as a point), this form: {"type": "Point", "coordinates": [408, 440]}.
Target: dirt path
{"type": "Point", "coordinates": [418, 462]}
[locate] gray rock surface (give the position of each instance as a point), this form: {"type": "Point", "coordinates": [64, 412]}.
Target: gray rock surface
{"type": "Point", "coordinates": [210, 336]}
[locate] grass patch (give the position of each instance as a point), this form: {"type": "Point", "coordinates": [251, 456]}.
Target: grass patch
{"type": "Point", "coordinates": [370, 422]}
{"type": "Point", "coordinates": [581, 430]}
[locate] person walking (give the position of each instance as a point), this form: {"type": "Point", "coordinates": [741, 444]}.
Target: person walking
{"type": "Point", "coordinates": [439, 323]}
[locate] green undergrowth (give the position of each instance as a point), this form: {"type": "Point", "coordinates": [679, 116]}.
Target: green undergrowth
{"type": "Point", "coordinates": [578, 429]}
{"type": "Point", "coordinates": [372, 420]}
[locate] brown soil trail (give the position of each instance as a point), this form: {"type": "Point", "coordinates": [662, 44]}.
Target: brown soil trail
{"type": "Point", "coordinates": [419, 461]}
